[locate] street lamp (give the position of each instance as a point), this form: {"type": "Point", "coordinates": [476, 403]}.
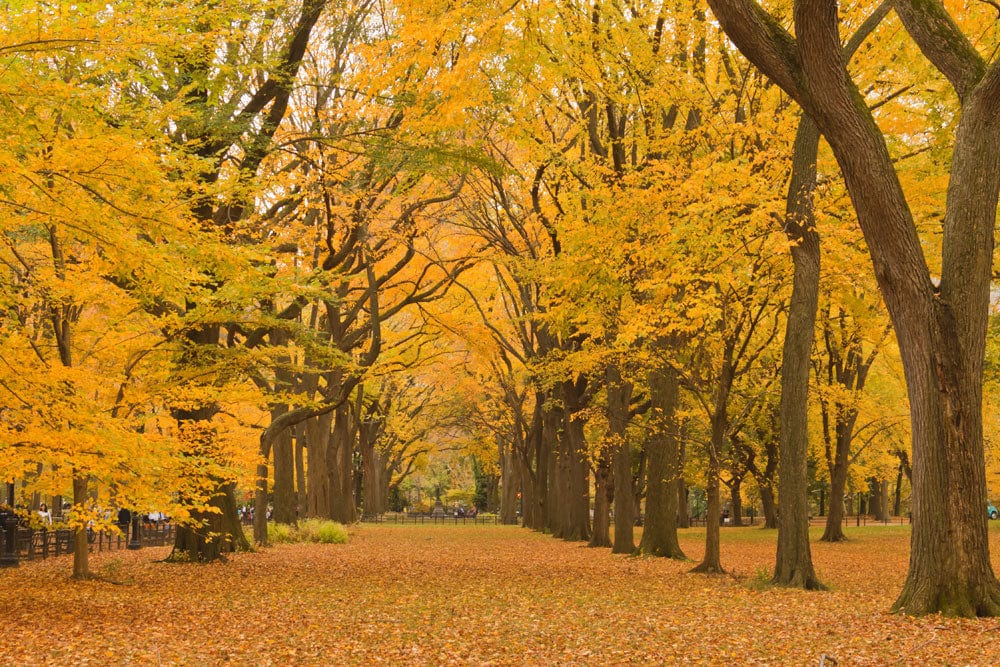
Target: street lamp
{"type": "Point", "coordinates": [8, 557]}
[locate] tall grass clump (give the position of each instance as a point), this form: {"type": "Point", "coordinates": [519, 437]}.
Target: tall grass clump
{"type": "Point", "coordinates": [320, 530]}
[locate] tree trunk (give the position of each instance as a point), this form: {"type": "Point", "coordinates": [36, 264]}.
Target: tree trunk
{"type": "Point", "coordinates": [736, 501]}
{"type": "Point", "coordinates": [882, 500]}
{"type": "Point", "coordinates": [619, 394]}
{"type": "Point", "coordinates": [216, 532]}
{"type": "Point", "coordinates": [284, 474]}
{"type": "Point", "coordinates": [260, 501]}
{"type": "Point", "coordinates": [554, 433]}
{"type": "Point", "coordinates": [576, 468]}
{"type": "Point", "coordinates": [711, 563]}
{"type": "Point", "coordinates": [301, 490]}
{"type": "Point", "coordinates": [373, 500]}
{"type": "Point", "coordinates": [604, 493]}
{"type": "Point", "coordinates": [81, 547]}
{"type": "Point", "coordinates": [793, 565]}
{"type": "Point", "coordinates": [769, 507]}
{"type": "Point", "coordinates": [317, 431]}
{"type": "Point", "coordinates": [683, 507]}
{"type": "Point", "coordinates": [834, 531]}
{"type": "Point", "coordinates": [510, 485]}
{"type": "Point", "coordinates": [898, 492]}
{"type": "Point", "coordinates": [663, 471]}
{"type": "Point", "coordinates": [340, 468]}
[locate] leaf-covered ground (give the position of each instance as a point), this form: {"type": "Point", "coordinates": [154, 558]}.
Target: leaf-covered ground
{"type": "Point", "coordinates": [480, 595]}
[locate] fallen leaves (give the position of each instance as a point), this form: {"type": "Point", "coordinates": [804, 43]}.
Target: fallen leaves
{"type": "Point", "coordinates": [482, 595]}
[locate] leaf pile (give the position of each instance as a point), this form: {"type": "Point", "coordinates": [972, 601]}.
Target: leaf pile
{"type": "Point", "coordinates": [481, 595]}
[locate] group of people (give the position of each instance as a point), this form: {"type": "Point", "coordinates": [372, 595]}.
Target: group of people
{"type": "Point", "coordinates": [245, 513]}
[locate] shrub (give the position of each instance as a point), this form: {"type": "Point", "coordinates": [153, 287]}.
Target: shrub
{"type": "Point", "coordinates": [281, 533]}
{"type": "Point", "coordinates": [308, 530]}
{"type": "Point", "coordinates": [320, 530]}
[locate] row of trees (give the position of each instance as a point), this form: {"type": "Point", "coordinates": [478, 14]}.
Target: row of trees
{"type": "Point", "coordinates": [588, 242]}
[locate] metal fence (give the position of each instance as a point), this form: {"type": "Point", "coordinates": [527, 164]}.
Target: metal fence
{"type": "Point", "coordinates": [32, 544]}
{"type": "Point", "coordinates": [401, 518]}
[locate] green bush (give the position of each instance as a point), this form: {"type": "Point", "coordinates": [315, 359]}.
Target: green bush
{"type": "Point", "coordinates": [329, 532]}
{"type": "Point", "coordinates": [281, 533]}
{"type": "Point", "coordinates": [308, 530]}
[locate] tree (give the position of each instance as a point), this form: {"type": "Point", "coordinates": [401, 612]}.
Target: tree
{"type": "Point", "coordinates": [940, 324]}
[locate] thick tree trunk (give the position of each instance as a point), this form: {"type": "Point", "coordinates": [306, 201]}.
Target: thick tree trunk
{"type": "Point", "coordinates": [769, 506]}
{"type": "Point", "coordinates": [619, 394]}
{"type": "Point", "coordinates": [510, 485]}
{"type": "Point", "coordinates": [576, 467]}
{"type": "Point", "coordinates": [793, 565]}
{"type": "Point", "coordinates": [340, 469]}
{"type": "Point", "coordinates": [659, 532]}
{"type": "Point", "coordinates": [604, 493]}
{"type": "Point", "coordinates": [81, 548]}
{"type": "Point", "coordinates": [838, 485]}
{"type": "Point", "coordinates": [554, 433]}
{"type": "Point", "coordinates": [882, 500]}
{"type": "Point", "coordinates": [216, 532]}
{"type": "Point", "coordinates": [317, 431]}
{"type": "Point", "coordinates": [283, 493]}
{"type": "Point", "coordinates": [736, 501]}
{"type": "Point", "coordinates": [374, 485]}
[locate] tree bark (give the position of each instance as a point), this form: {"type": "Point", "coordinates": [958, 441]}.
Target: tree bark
{"type": "Point", "coordinates": [663, 472]}
{"type": "Point", "coordinates": [711, 563]}
{"type": "Point", "coordinates": [619, 394]}
{"type": "Point", "coordinates": [577, 470]}
{"type": "Point", "coordinates": [941, 329]}
{"type": "Point", "coordinates": [604, 493]}
{"type": "Point", "coordinates": [317, 430]}
{"type": "Point", "coordinates": [301, 490]}
{"type": "Point", "coordinates": [284, 476]}
{"type": "Point", "coordinates": [793, 565]}
{"type": "Point", "coordinates": [510, 485]}
{"type": "Point", "coordinates": [340, 467]}
{"type": "Point", "coordinates": [834, 531]}
{"type": "Point", "coordinates": [769, 507]}
{"type": "Point", "coordinates": [81, 547]}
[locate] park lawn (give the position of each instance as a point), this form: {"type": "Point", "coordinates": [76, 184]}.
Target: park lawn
{"type": "Point", "coordinates": [481, 595]}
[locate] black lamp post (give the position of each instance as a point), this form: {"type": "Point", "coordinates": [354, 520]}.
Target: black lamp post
{"type": "Point", "coordinates": [8, 557]}
{"type": "Point", "coordinates": [136, 541]}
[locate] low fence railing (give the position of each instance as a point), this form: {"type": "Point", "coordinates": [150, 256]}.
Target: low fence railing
{"type": "Point", "coordinates": [32, 544]}
{"type": "Point", "coordinates": [404, 517]}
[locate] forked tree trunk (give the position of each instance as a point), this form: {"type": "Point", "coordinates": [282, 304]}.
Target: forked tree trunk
{"type": "Point", "coordinates": [659, 533]}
